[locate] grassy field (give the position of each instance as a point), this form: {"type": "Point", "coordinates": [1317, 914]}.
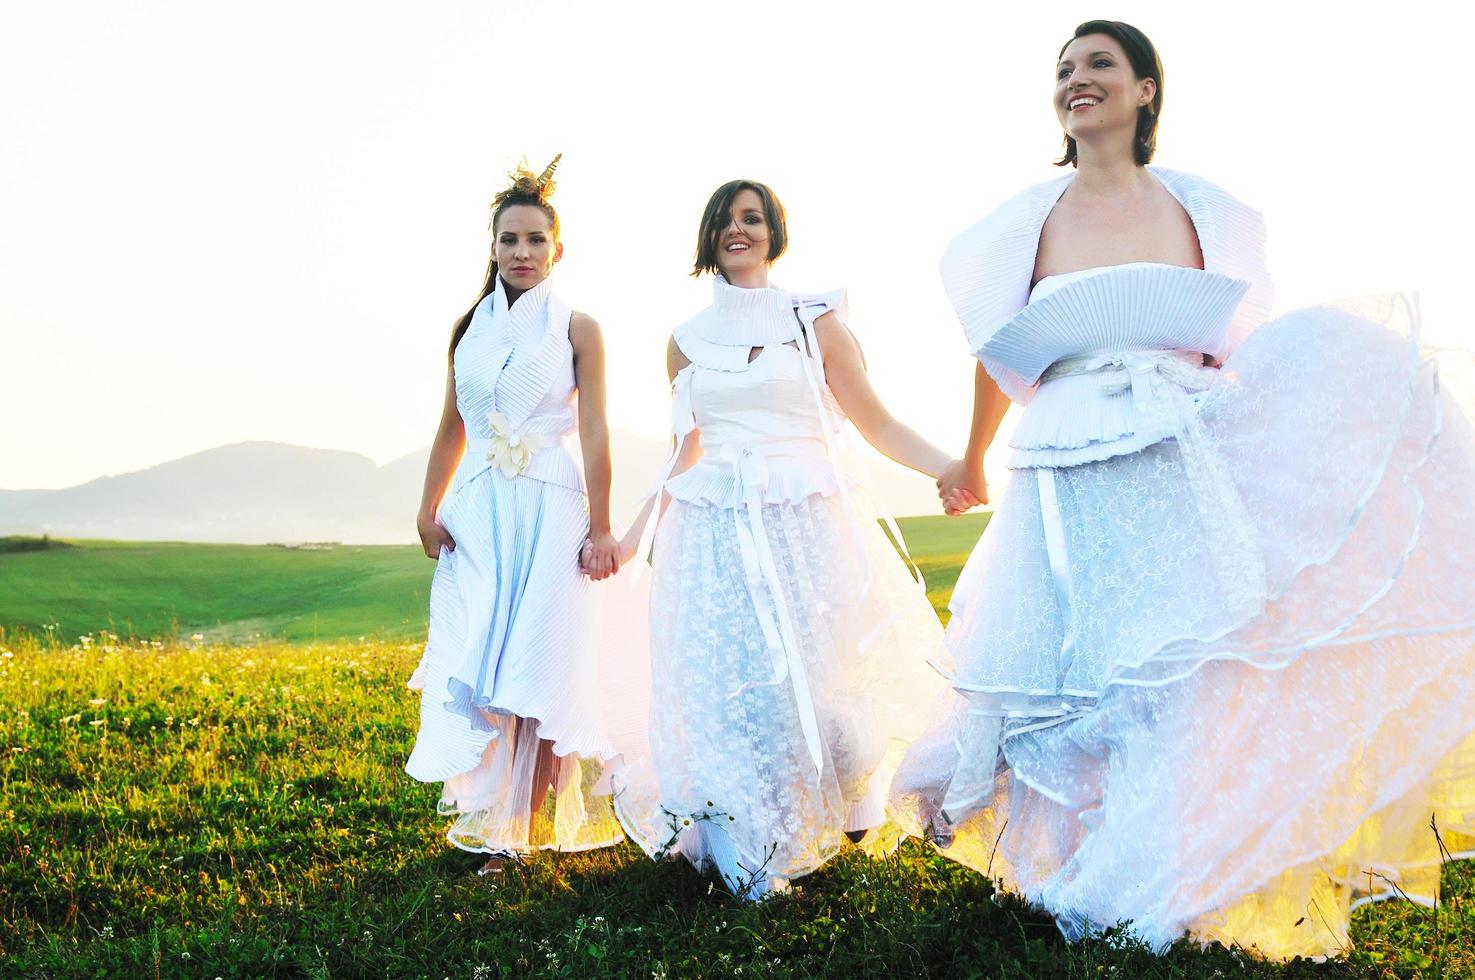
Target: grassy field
{"type": "Point", "coordinates": [216, 809]}
{"type": "Point", "coordinates": [227, 592]}
{"type": "Point", "coordinates": [240, 593]}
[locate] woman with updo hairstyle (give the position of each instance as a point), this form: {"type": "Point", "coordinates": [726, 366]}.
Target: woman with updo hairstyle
{"type": "Point", "coordinates": [518, 712]}
{"type": "Point", "coordinates": [789, 641]}
{"type": "Point", "coordinates": [1213, 661]}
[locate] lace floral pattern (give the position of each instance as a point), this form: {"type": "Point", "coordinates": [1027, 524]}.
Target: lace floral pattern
{"type": "Point", "coordinates": [1192, 766]}
{"type": "Point", "coordinates": [728, 752]}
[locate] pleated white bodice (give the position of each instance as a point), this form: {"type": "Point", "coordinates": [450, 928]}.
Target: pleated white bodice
{"type": "Point", "coordinates": [758, 418]}
{"type": "Point", "coordinates": [516, 363]}
{"type": "Point", "coordinates": [1105, 346]}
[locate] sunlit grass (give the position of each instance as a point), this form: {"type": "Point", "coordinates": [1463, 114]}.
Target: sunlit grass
{"type": "Point", "coordinates": [209, 810]}
{"type": "Point", "coordinates": [229, 801]}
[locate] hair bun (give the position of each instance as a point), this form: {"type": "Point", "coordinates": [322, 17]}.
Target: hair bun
{"type": "Point", "coordinates": [528, 187]}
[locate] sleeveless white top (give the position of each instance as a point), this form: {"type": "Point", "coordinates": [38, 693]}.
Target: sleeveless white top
{"type": "Point", "coordinates": [760, 420]}
{"type": "Point", "coordinates": [1102, 344]}
{"type": "Point", "coordinates": [515, 366]}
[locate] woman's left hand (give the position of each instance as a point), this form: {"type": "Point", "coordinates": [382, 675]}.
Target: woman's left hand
{"type": "Point", "coordinates": [600, 557]}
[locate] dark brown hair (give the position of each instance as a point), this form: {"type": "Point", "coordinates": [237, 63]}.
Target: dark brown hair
{"type": "Point", "coordinates": [527, 189]}
{"type": "Point", "coordinates": [1145, 64]}
{"type": "Point", "coordinates": [719, 213]}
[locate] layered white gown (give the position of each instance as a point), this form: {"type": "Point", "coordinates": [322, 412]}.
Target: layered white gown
{"type": "Point", "coordinates": [1214, 658]}
{"type": "Point", "coordinates": [789, 640]}
{"type": "Point", "coordinates": [525, 698]}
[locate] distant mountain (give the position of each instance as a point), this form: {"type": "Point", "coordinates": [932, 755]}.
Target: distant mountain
{"type": "Point", "coordinates": [262, 492]}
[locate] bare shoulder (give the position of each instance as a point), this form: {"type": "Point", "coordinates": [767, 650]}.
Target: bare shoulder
{"type": "Point", "coordinates": [583, 332]}
{"type": "Point", "coordinates": [834, 335]}
{"type": "Point", "coordinates": [582, 323]}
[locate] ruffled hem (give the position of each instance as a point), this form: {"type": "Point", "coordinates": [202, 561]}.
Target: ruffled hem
{"type": "Point", "coordinates": [514, 629]}
{"type": "Point", "coordinates": [1191, 650]}
{"type": "Point", "coordinates": [523, 797]}
{"type": "Point", "coordinates": [744, 873]}
{"type": "Point", "coordinates": [471, 846]}
{"type": "Point", "coordinates": [1071, 413]}
{"type": "Point", "coordinates": [789, 481]}
{"type": "Point", "coordinates": [1059, 457]}
{"type": "Point", "coordinates": [1360, 647]}
{"type": "Point", "coordinates": [1299, 851]}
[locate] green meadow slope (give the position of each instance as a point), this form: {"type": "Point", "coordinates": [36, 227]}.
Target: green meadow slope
{"type": "Point", "coordinates": [238, 593]}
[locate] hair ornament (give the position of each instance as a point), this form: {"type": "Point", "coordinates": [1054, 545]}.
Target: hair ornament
{"type": "Point", "coordinates": [526, 187]}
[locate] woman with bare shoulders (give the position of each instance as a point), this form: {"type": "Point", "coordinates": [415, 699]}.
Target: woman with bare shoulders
{"type": "Point", "coordinates": [1214, 658]}
{"type": "Point", "coordinates": [520, 702]}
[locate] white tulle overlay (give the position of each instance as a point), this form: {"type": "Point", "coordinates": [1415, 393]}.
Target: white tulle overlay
{"type": "Point", "coordinates": [789, 641]}
{"type": "Point", "coordinates": [1140, 734]}
{"type": "Point", "coordinates": [533, 677]}
{"type": "Point", "coordinates": [729, 754]}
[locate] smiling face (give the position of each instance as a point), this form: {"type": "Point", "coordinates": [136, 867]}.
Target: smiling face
{"type": "Point", "coordinates": [1096, 90]}
{"type": "Point", "coordinates": [525, 249]}
{"type": "Point", "coordinates": [743, 242]}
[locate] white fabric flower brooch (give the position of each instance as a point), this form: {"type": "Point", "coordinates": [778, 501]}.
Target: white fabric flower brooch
{"type": "Point", "coordinates": [511, 451]}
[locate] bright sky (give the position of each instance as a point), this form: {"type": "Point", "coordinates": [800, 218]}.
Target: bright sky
{"type": "Point", "coordinates": [258, 221]}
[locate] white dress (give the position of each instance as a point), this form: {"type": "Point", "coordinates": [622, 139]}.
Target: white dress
{"type": "Point", "coordinates": [789, 641]}
{"type": "Point", "coordinates": [1215, 654]}
{"type": "Point", "coordinates": [521, 706]}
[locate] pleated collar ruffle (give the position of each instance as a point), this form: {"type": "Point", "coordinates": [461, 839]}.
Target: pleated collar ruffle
{"type": "Point", "coordinates": [746, 318]}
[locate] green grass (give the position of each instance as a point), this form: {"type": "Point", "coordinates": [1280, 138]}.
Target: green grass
{"type": "Point", "coordinates": [940, 545]}
{"type": "Point", "coordinates": [240, 812]}
{"type": "Point", "coordinates": [238, 593]}
{"type": "Point", "coordinates": [203, 809]}
{"type": "Point", "coordinates": [223, 591]}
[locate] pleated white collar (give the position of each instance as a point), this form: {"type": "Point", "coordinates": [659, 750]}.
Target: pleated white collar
{"type": "Point", "coordinates": [741, 317]}
{"type": "Point", "coordinates": [528, 315]}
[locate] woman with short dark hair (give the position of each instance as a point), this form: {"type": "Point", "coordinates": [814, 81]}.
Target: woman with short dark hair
{"type": "Point", "coordinates": [789, 644]}
{"type": "Point", "coordinates": [1215, 655]}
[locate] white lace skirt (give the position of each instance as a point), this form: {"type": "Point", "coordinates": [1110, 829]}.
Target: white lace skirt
{"type": "Point", "coordinates": [1151, 751]}
{"type": "Point", "coordinates": [730, 782]}
{"type": "Point", "coordinates": [522, 688]}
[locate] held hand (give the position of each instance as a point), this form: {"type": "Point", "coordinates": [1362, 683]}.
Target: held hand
{"type": "Point", "coordinates": [600, 557]}
{"type": "Point", "coordinates": [959, 502]}
{"type": "Point", "coordinates": [964, 484]}
{"type": "Point", "coordinates": [433, 537]}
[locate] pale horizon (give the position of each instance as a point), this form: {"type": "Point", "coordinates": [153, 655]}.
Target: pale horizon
{"type": "Point", "coordinates": [258, 224]}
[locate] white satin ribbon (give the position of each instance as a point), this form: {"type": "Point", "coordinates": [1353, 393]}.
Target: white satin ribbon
{"type": "Point", "coordinates": [750, 471]}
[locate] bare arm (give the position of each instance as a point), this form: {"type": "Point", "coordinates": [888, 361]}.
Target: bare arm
{"type": "Point", "coordinates": [846, 373]}
{"type": "Point", "coordinates": [964, 480]}
{"type": "Point", "coordinates": [445, 455]}
{"type": "Point", "coordinates": [602, 559]}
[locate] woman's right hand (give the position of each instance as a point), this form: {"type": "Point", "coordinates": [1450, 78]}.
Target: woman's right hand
{"type": "Point", "coordinates": [433, 537]}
